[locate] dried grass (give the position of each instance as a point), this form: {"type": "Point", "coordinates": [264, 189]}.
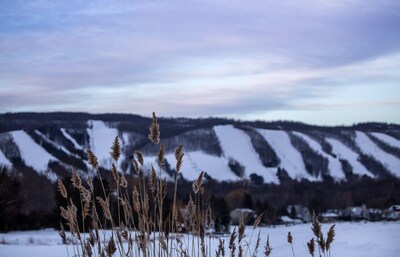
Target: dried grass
{"type": "Point", "coordinates": [144, 230]}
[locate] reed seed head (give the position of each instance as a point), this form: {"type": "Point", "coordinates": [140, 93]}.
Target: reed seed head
{"type": "Point", "coordinates": [72, 210]}
{"type": "Point", "coordinates": [178, 151]}
{"type": "Point", "coordinates": [76, 180]}
{"type": "Point", "coordinates": [330, 237]}
{"type": "Point", "coordinates": [116, 149]}
{"type": "Point", "coordinates": [139, 157]}
{"type": "Point", "coordinates": [242, 228]}
{"type": "Point", "coordinates": [62, 234]}
{"type": "Point", "coordinates": [321, 242]}
{"type": "Point", "coordinates": [153, 182]}
{"type": "Point", "coordinates": [92, 238]}
{"type": "Point", "coordinates": [190, 214]}
{"type": "Point", "coordinates": [85, 194]}
{"type": "Point", "coordinates": [104, 206]}
{"type": "Point", "coordinates": [136, 166]}
{"type": "Point", "coordinates": [257, 243]}
{"type": "Point", "coordinates": [179, 158]}
{"type": "Point", "coordinates": [85, 211]}
{"type": "Point", "coordinates": [111, 249]}
{"type": "Point", "coordinates": [197, 184]}
{"type": "Point", "coordinates": [163, 185]}
{"type": "Point", "coordinates": [92, 159]}
{"type": "Point", "coordinates": [258, 220]}
{"type": "Point", "coordinates": [64, 213]}
{"type": "Point", "coordinates": [161, 155]}
{"type": "Point", "coordinates": [267, 248]}
{"type": "Point", "coordinates": [136, 202]}
{"type": "Point", "coordinates": [123, 182]}
{"type": "Point", "coordinates": [289, 238]}
{"type": "Point", "coordinates": [115, 172]}
{"type": "Point", "coordinates": [315, 226]}
{"type": "Point", "coordinates": [90, 183]}
{"type": "Point", "coordinates": [311, 247]}
{"type": "Point", "coordinates": [232, 245]}
{"type": "Point", "coordinates": [62, 189]}
{"type": "Point", "coordinates": [221, 248]}
{"type": "Point", "coordinates": [154, 135]}
{"type": "Point", "coordinates": [88, 249]}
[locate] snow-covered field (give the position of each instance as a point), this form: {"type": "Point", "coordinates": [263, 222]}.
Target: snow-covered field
{"type": "Point", "coordinates": [380, 239]}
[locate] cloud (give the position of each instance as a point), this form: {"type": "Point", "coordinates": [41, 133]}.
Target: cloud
{"type": "Point", "coordinates": [193, 58]}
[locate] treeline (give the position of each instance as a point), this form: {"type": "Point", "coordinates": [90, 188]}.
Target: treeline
{"type": "Point", "coordinates": [30, 201]}
{"type": "Point", "coordinates": [171, 126]}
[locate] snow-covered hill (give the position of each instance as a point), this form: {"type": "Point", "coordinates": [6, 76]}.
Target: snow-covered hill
{"type": "Point", "coordinates": [291, 159]}
{"type": "Point", "coordinates": [224, 149]}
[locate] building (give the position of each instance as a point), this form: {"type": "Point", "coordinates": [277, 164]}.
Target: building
{"type": "Point", "coordinates": [299, 212]}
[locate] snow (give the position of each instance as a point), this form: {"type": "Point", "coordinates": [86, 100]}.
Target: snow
{"type": "Point", "coordinates": [367, 146]}
{"type": "Point", "coordinates": [4, 161]}
{"type": "Point", "coordinates": [344, 152]}
{"type": "Point", "coordinates": [287, 219]}
{"type": "Point", "coordinates": [194, 163]}
{"type": "Point", "coordinates": [352, 239]}
{"type": "Point", "coordinates": [70, 138]}
{"type": "Point", "coordinates": [291, 159]}
{"type": "Point", "coordinates": [236, 144]}
{"type": "Point", "coordinates": [101, 140]}
{"type": "Point", "coordinates": [125, 138]}
{"type": "Point", "coordinates": [334, 165]}
{"type": "Point", "coordinates": [214, 166]}
{"type": "Point", "coordinates": [387, 139]}
{"type": "Point", "coordinates": [33, 154]}
{"type": "Point", "coordinates": [151, 160]}
{"type": "Point", "coordinates": [60, 147]}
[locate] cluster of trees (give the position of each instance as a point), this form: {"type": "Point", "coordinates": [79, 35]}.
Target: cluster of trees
{"type": "Point", "coordinates": [30, 201]}
{"type": "Point", "coordinates": [273, 199]}
{"type": "Point", "coordinates": [316, 165]}
{"type": "Point", "coordinates": [265, 152]}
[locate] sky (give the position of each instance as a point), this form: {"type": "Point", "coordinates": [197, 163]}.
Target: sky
{"type": "Point", "coordinates": [315, 61]}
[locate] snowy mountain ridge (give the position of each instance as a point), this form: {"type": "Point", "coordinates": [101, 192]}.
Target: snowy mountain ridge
{"type": "Point", "coordinates": [226, 150]}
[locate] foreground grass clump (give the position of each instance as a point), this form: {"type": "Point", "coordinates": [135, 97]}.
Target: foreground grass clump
{"type": "Point", "coordinates": [141, 227]}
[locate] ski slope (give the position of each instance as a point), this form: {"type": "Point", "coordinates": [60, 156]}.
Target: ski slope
{"type": "Point", "coordinates": [291, 159]}
{"type": "Point", "coordinates": [33, 154]}
{"type": "Point", "coordinates": [101, 139]}
{"type": "Point", "coordinates": [216, 167]}
{"type": "Point", "coordinates": [4, 161]}
{"type": "Point", "coordinates": [193, 164]}
{"type": "Point", "coordinates": [70, 138]}
{"type": "Point", "coordinates": [236, 144]}
{"type": "Point", "coordinates": [344, 152]}
{"type": "Point", "coordinates": [387, 139]}
{"type": "Point", "coordinates": [334, 165]}
{"type": "Point", "coordinates": [367, 146]}
{"type": "Point", "coordinates": [54, 144]}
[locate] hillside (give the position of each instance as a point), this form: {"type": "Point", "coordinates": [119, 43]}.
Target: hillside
{"type": "Point", "coordinates": [54, 143]}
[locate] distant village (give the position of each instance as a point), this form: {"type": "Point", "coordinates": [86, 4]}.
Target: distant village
{"type": "Point", "coordinates": [298, 214]}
